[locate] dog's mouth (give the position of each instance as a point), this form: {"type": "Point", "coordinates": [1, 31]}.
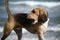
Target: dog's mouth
{"type": "Point", "coordinates": [35, 22]}
{"type": "Point", "coordinates": [32, 21]}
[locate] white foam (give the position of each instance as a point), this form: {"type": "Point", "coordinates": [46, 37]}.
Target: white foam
{"type": "Point", "coordinates": [1, 29]}
{"type": "Point", "coordinates": [32, 3]}
{"type": "Point", "coordinates": [54, 27]}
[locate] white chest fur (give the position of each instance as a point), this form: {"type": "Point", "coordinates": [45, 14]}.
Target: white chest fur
{"type": "Point", "coordinates": [45, 25]}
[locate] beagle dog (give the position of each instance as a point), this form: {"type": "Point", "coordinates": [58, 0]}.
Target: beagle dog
{"type": "Point", "coordinates": [35, 22]}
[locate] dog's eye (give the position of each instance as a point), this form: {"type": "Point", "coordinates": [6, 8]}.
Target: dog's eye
{"type": "Point", "coordinates": [33, 11]}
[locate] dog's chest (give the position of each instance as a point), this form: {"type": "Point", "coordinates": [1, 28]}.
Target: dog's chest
{"type": "Point", "coordinates": [45, 25]}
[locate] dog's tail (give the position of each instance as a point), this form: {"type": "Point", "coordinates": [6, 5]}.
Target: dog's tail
{"type": "Point", "coordinates": [7, 8]}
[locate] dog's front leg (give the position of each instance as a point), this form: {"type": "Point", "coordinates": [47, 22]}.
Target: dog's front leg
{"type": "Point", "coordinates": [18, 32]}
{"type": "Point", "coordinates": [40, 33]}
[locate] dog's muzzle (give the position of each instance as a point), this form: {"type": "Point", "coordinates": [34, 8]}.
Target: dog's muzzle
{"type": "Point", "coordinates": [32, 21]}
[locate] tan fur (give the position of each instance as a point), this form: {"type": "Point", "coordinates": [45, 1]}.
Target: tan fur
{"type": "Point", "coordinates": [33, 16]}
{"type": "Point", "coordinates": [38, 14]}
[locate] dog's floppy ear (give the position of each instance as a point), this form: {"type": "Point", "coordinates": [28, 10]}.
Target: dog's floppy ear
{"type": "Point", "coordinates": [42, 16]}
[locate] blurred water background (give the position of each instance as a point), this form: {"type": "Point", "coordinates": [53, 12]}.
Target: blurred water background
{"type": "Point", "coordinates": [25, 6]}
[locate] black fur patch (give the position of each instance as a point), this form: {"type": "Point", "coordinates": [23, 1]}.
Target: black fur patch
{"type": "Point", "coordinates": [22, 19]}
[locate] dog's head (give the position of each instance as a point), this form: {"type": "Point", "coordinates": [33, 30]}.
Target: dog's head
{"type": "Point", "coordinates": [39, 15]}
{"type": "Point", "coordinates": [33, 18]}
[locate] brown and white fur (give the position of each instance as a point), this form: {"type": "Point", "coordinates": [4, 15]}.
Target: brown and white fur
{"type": "Point", "coordinates": [35, 22]}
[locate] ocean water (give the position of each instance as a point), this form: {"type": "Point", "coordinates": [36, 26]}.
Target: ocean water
{"type": "Point", "coordinates": [53, 9]}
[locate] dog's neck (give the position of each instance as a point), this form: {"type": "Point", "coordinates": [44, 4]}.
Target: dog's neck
{"type": "Point", "coordinates": [40, 23]}
{"type": "Point", "coordinates": [45, 21]}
